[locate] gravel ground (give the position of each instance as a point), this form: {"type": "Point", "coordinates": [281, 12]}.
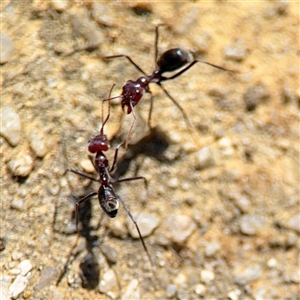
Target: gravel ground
{"type": "Point", "coordinates": [221, 214]}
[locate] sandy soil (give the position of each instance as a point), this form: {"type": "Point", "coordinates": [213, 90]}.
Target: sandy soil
{"type": "Point", "coordinates": [226, 196]}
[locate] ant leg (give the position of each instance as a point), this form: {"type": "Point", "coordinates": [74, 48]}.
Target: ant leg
{"type": "Point", "coordinates": [156, 41]}
{"type": "Point", "coordinates": [193, 63]}
{"type": "Point", "coordinates": [108, 110]}
{"type": "Point", "coordinates": [82, 174]}
{"type": "Point", "coordinates": [87, 197]}
{"type": "Point", "coordinates": [129, 58]}
{"type": "Point", "coordinates": [150, 111]}
{"type": "Point", "coordinates": [131, 126]}
{"type": "Point", "coordinates": [157, 38]}
{"type": "Point", "coordinates": [185, 116]}
{"type": "Point", "coordinates": [133, 178]}
{"type": "Point", "coordinates": [115, 158]}
{"type": "Point", "coordinates": [138, 230]}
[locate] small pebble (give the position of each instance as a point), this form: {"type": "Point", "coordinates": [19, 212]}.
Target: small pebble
{"type": "Point", "coordinates": [88, 29]}
{"type": "Point", "coordinates": [102, 13]}
{"type": "Point", "coordinates": [202, 41]}
{"type": "Point", "coordinates": [10, 127]}
{"type": "Point", "coordinates": [21, 164]}
{"type": "Point", "coordinates": [183, 295]}
{"type": "Point", "coordinates": [288, 95]}
{"type": "Point", "coordinates": [226, 147]}
{"type": "Point", "coordinates": [251, 224]}
{"type": "Point", "coordinates": [6, 49]}
{"type": "Point", "coordinates": [27, 294]}
{"type": "Point", "coordinates": [110, 253]}
{"type": "Point", "coordinates": [18, 286]}
{"type": "Point", "coordinates": [236, 51]}
{"type": "Point", "coordinates": [173, 183]}
{"type": "Point", "coordinates": [200, 289]}
{"type": "Point", "coordinates": [53, 186]}
{"type": "Point", "coordinates": [14, 271]}
{"type": "Point", "coordinates": [264, 292]}
{"type": "Point", "coordinates": [47, 275]}
{"type": "Point", "coordinates": [181, 228]}
{"type": "Point", "coordinates": [37, 139]}
{"type": "Point", "coordinates": [4, 287]}
{"type": "Point", "coordinates": [245, 274]}
{"type": "Point", "coordinates": [109, 282]}
{"type": "Point", "coordinates": [73, 280]}
{"type": "Point", "coordinates": [25, 266]}
{"type": "Point", "coordinates": [204, 158]}
{"type": "Point", "coordinates": [18, 204]}
{"type": "Point", "coordinates": [132, 291]}
{"type": "Point", "coordinates": [16, 255]}
{"type": "Point", "coordinates": [234, 295]}
{"type": "Point", "coordinates": [243, 203]}
{"type": "Point", "coordinates": [87, 166]}
{"type": "Point", "coordinates": [212, 249]}
{"type": "Point", "coordinates": [180, 280]}
{"type": "Point", "coordinates": [272, 263]}
{"type": "Point", "coordinates": [171, 290]}
{"type": "Point", "coordinates": [146, 222]}
{"type": "Point", "coordinates": [59, 5]}
{"type": "Point", "coordinates": [295, 276]}
{"type": "Point", "coordinates": [207, 276]}
{"type": "Point", "coordinates": [118, 229]}
{"type": "Point", "coordinates": [294, 223]}
{"type": "Point", "coordinates": [256, 95]}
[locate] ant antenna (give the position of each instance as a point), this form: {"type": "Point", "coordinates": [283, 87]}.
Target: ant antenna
{"type": "Point", "coordinates": [108, 111]}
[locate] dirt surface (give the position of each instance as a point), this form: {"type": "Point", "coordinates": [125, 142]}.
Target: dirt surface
{"type": "Point", "coordinates": [225, 196]}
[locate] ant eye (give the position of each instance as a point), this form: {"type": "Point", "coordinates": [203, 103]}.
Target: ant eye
{"type": "Point", "coordinates": [173, 59]}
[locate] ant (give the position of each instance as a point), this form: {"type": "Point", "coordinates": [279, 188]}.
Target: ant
{"type": "Point", "coordinates": [107, 197]}
{"type": "Point", "coordinates": [171, 60]}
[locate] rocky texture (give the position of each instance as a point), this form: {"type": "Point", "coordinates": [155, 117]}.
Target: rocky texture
{"type": "Point", "coordinates": [225, 193]}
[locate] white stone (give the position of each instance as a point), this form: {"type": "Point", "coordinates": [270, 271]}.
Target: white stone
{"type": "Point", "coordinates": [18, 286]}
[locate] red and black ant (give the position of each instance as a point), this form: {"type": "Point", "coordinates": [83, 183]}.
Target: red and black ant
{"type": "Point", "coordinates": [108, 199]}
{"type": "Point", "coordinates": [171, 60]}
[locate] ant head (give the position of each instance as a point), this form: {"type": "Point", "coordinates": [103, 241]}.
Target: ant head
{"type": "Point", "coordinates": [108, 200]}
{"type": "Point", "coordinates": [98, 143]}
{"type": "Point", "coordinates": [173, 59]}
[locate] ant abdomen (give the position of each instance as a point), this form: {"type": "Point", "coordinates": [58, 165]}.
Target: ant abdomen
{"type": "Point", "coordinates": [108, 201]}
{"type": "Point", "coordinates": [173, 59]}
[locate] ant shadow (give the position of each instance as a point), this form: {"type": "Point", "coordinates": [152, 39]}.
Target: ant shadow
{"type": "Point", "coordinates": [153, 145]}
{"type": "Point", "coordinates": [89, 266]}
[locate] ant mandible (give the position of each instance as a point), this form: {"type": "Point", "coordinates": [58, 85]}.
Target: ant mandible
{"type": "Point", "coordinates": [171, 60]}
{"type": "Point", "coordinates": [107, 197]}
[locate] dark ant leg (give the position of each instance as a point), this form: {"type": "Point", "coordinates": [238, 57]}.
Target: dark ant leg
{"type": "Point", "coordinates": [138, 230]}
{"type": "Point", "coordinates": [193, 63]}
{"type": "Point", "coordinates": [115, 158]}
{"type": "Point", "coordinates": [150, 110]}
{"type": "Point", "coordinates": [134, 178]}
{"type": "Point", "coordinates": [131, 126]}
{"type": "Point", "coordinates": [82, 174]}
{"type": "Point", "coordinates": [129, 58]}
{"type": "Point", "coordinates": [184, 114]}
{"type": "Point", "coordinates": [156, 41]}
{"type": "Point", "coordinates": [108, 110]}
